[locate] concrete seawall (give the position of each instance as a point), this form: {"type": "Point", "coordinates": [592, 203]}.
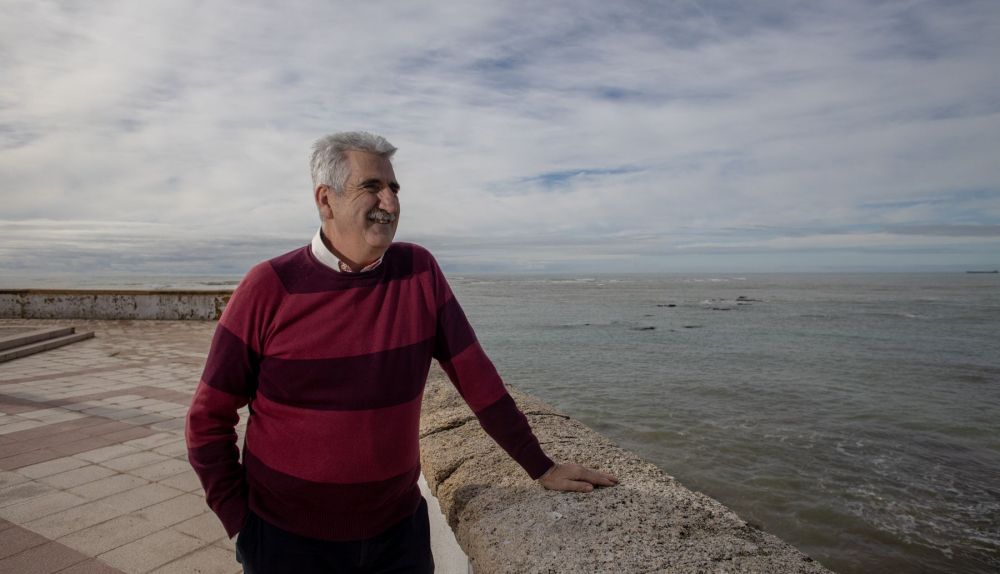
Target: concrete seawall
{"type": "Point", "coordinates": [649, 522]}
{"type": "Point", "coordinates": [100, 304]}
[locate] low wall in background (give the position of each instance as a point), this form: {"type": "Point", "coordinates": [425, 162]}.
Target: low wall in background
{"type": "Point", "coordinates": [101, 304]}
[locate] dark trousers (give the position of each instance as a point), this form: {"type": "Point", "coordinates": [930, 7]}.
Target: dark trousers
{"type": "Point", "coordinates": [263, 548]}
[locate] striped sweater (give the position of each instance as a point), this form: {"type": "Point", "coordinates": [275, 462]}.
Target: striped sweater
{"type": "Point", "coordinates": [333, 366]}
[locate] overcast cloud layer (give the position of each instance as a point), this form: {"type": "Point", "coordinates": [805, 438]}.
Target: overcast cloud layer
{"type": "Point", "coordinates": [173, 137]}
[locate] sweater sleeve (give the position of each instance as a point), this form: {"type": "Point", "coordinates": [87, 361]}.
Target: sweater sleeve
{"type": "Point", "coordinates": [228, 383]}
{"type": "Point", "coordinates": [473, 374]}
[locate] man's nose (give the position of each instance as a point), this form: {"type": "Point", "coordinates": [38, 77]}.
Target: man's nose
{"type": "Point", "coordinates": [388, 200]}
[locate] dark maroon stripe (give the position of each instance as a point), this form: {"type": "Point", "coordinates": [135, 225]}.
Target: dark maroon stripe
{"type": "Point", "coordinates": [454, 333]}
{"type": "Point", "coordinates": [508, 426]}
{"type": "Point", "coordinates": [330, 511]}
{"type": "Point", "coordinates": [373, 381]}
{"type": "Point", "coordinates": [217, 466]}
{"type": "Point", "coordinates": [231, 366]}
{"type": "Point", "coordinates": [300, 272]}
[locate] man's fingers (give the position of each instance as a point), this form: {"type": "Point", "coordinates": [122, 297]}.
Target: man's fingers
{"type": "Point", "coordinates": [595, 477]}
{"type": "Point", "coordinates": [577, 486]}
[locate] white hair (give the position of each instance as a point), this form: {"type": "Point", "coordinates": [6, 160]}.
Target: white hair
{"type": "Point", "coordinates": [329, 158]}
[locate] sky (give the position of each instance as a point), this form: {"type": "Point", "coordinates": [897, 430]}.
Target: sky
{"type": "Point", "coordinates": [173, 137]}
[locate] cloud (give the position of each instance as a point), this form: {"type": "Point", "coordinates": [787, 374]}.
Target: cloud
{"type": "Point", "coordinates": [696, 123]}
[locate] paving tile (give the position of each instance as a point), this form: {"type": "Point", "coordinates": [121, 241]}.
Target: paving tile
{"type": "Point", "coordinates": [18, 539]}
{"type": "Point", "coordinates": [105, 428]}
{"type": "Point", "coordinates": [28, 459]}
{"type": "Point", "coordinates": [176, 449]}
{"type": "Point", "coordinates": [50, 467]}
{"type": "Point", "coordinates": [122, 414]}
{"type": "Point", "coordinates": [107, 453]}
{"type": "Point", "coordinates": [78, 446]}
{"type": "Point", "coordinates": [146, 419]}
{"type": "Point", "coordinates": [121, 399]}
{"type": "Point", "coordinates": [20, 425]}
{"type": "Point", "coordinates": [73, 519]}
{"type": "Point", "coordinates": [101, 411]}
{"type": "Point", "coordinates": [10, 478]}
{"type": "Point", "coordinates": [138, 403]}
{"type": "Point", "coordinates": [187, 481]}
{"type": "Point", "coordinates": [226, 543]}
{"type": "Point", "coordinates": [12, 448]}
{"type": "Point", "coordinates": [57, 438]}
{"type": "Point", "coordinates": [205, 527]}
{"type": "Point", "coordinates": [161, 406]}
{"type": "Point", "coordinates": [151, 551]}
{"type": "Point", "coordinates": [134, 461]}
{"type": "Point", "coordinates": [152, 441]}
{"type": "Point", "coordinates": [210, 560]}
{"type": "Point", "coordinates": [47, 558]}
{"type": "Point", "coordinates": [91, 566]}
{"type": "Point", "coordinates": [53, 415]}
{"type": "Point", "coordinates": [161, 470]}
{"type": "Point", "coordinates": [78, 476]}
{"type": "Point", "coordinates": [107, 486]}
{"type": "Point", "coordinates": [22, 492]}
{"type": "Point", "coordinates": [129, 433]}
{"type": "Point", "coordinates": [43, 430]}
{"type": "Point", "coordinates": [174, 510]}
{"type": "Point", "coordinates": [109, 535]}
{"type": "Point", "coordinates": [40, 506]}
{"type": "Point", "coordinates": [176, 424]}
{"type": "Point", "coordinates": [141, 497]}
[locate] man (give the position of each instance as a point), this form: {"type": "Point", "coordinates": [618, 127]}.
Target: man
{"type": "Point", "coordinates": [330, 345]}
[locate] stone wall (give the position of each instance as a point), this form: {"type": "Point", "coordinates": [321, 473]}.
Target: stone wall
{"type": "Point", "coordinates": [506, 522]}
{"type": "Point", "coordinates": [96, 304]}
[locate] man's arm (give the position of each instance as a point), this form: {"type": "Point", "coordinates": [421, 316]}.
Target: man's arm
{"type": "Point", "coordinates": [473, 374]}
{"type": "Point", "coordinates": [227, 384]}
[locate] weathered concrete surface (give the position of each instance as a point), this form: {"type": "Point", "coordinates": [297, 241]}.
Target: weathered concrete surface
{"type": "Point", "coordinates": [100, 304]}
{"type": "Point", "coordinates": [649, 522]}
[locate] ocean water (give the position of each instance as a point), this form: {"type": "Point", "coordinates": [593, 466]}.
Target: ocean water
{"type": "Point", "coordinates": [855, 416]}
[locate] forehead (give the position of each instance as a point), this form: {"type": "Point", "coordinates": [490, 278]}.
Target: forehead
{"type": "Point", "coordinates": [365, 165]}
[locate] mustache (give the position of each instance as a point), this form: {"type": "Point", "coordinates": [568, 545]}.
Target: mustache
{"type": "Point", "coordinates": [381, 214]}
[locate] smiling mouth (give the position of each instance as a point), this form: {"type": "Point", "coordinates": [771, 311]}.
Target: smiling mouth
{"type": "Point", "coordinates": [381, 216]}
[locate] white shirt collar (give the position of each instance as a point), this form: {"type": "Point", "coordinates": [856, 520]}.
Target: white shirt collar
{"type": "Point", "coordinates": [326, 257]}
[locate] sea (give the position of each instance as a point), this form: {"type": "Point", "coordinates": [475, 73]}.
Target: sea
{"type": "Point", "coordinates": [855, 416]}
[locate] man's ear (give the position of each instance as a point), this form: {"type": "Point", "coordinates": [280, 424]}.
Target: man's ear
{"type": "Point", "coordinates": [324, 198]}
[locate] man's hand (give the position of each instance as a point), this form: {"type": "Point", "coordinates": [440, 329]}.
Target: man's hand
{"type": "Point", "coordinates": [575, 478]}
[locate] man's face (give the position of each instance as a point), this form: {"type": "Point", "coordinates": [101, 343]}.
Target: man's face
{"type": "Point", "coordinates": [366, 215]}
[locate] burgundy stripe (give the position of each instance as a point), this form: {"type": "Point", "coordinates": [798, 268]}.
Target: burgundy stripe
{"type": "Point", "coordinates": [454, 333]}
{"type": "Point", "coordinates": [314, 445]}
{"type": "Point", "coordinates": [330, 511]}
{"type": "Point", "coordinates": [508, 426]}
{"type": "Point", "coordinates": [231, 366]}
{"type": "Point", "coordinates": [349, 323]}
{"type": "Point", "coordinates": [373, 381]}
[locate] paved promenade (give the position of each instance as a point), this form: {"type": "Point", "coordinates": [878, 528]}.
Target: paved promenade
{"type": "Point", "coordinates": [93, 466]}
